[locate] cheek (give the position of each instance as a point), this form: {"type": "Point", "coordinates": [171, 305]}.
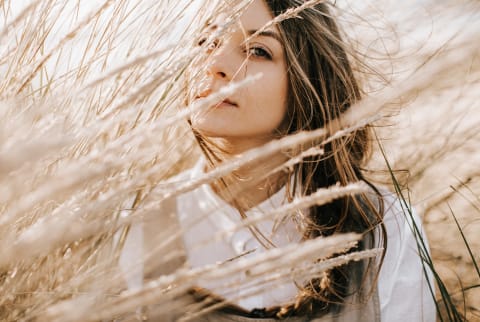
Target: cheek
{"type": "Point", "coordinates": [195, 83]}
{"type": "Point", "coordinates": [274, 98]}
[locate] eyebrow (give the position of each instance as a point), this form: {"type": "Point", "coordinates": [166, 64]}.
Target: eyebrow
{"type": "Point", "coordinates": [265, 33]}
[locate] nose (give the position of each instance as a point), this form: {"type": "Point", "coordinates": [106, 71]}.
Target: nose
{"type": "Point", "coordinates": [219, 66]}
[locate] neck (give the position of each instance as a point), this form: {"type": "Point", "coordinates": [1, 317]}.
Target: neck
{"type": "Point", "coordinates": [251, 184]}
{"type": "Point", "coordinates": [231, 147]}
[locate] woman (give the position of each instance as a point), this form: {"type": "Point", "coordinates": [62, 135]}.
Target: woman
{"type": "Point", "coordinates": [306, 83]}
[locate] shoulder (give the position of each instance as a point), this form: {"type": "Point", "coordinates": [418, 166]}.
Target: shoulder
{"type": "Point", "coordinates": [405, 281]}
{"type": "Point", "coordinates": [406, 239]}
{"type": "Point", "coordinates": [184, 176]}
{"type": "Point", "coordinates": [167, 192]}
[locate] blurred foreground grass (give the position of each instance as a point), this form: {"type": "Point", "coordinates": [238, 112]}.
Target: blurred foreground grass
{"type": "Point", "coordinates": [89, 101]}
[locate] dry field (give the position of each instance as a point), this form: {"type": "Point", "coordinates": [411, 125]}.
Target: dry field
{"type": "Point", "coordinates": [90, 114]}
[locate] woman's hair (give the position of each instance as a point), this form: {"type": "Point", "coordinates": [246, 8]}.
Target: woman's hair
{"type": "Point", "coordinates": [322, 86]}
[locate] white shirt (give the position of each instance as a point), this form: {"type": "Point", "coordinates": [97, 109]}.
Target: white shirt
{"type": "Point", "coordinates": [202, 214]}
{"type": "Point", "coordinates": [403, 289]}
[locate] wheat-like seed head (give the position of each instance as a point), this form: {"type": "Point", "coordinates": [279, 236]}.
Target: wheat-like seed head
{"type": "Point", "coordinates": [92, 111]}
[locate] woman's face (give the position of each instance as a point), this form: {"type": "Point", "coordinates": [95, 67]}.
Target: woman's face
{"type": "Point", "coordinates": [255, 111]}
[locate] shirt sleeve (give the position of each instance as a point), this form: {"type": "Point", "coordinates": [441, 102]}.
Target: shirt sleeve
{"type": "Point", "coordinates": [130, 261]}
{"type": "Point", "coordinates": [403, 282]}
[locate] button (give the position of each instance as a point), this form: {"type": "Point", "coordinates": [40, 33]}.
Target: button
{"type": "Point", "coordinates": [242, 241]}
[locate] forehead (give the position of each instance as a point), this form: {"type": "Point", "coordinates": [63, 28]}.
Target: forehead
{"type": "Point", "coordinates": [255, 16]}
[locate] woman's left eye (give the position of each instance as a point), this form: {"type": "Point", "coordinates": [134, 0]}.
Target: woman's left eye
{"type": "Point", "coordinates": [259, 52]}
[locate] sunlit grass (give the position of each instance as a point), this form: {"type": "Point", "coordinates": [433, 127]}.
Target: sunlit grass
{"type": "Point", "coordinates": [91, 114]}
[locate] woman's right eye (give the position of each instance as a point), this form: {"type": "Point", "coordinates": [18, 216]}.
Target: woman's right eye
{"type": "Point", "coordinates": [201, 41]}
{"type": "Point", "coordinates": [211, 45]}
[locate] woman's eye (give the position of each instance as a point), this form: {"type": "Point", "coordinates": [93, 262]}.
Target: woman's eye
{"type": "Point", "coordinates": [201, 41]}
{"type": "Point", "coordinates": [259, 52]}
{"type": "Point", "coordinates": [211, 45]}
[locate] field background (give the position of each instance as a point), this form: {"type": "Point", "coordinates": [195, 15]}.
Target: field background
{"type": "Point", "coordinates": [89, 97]}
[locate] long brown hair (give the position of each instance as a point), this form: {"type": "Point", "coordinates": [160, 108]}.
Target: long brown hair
{"type": "Point", "coordinates": [322, 86]}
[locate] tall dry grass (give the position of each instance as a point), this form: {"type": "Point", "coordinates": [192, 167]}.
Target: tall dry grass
{"type": "Point", "coordinates": [90, 105]}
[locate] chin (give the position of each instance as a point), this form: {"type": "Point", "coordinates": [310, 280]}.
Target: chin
{"type": "Point", "coordinates": [208, 128]}
{"type": "Point", "coordinates": [209, 131]}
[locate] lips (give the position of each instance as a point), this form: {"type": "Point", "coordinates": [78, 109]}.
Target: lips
{"type": "Point", "coordinates": [225, 102]}
{"type": "Point", "coordinates": [204, 94]}
{"type": "Point", "coordinates": [229, 102]}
